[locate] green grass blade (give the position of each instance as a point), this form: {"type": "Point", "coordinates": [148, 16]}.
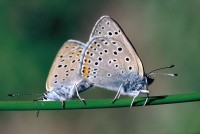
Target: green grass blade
{"type": "Point", "coordinates": [93, 104]}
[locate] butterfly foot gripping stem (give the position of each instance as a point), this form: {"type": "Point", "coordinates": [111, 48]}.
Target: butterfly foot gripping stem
{"type": "Point", "coordinates": [146, 100]}
{"type": "Point", "coordinates": [63, 104]}
{"type": "Point", "coordinates": [113, 101]}
{"type": "Point", "coordinates": [83, 101]}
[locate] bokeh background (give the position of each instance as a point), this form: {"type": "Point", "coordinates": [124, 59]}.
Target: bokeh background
{"type": "Point", "coordinates": [163, 32]}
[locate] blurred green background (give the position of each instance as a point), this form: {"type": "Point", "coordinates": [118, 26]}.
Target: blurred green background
{"type": "Point", "coordinates": [163, 32]}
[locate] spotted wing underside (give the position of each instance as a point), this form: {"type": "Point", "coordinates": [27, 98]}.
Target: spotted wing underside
{"type": "Point", "coordinates": [66, 66]}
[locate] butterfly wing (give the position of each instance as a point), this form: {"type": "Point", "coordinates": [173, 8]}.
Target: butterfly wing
{"type": "Point", "coordinates": [108, 63]}
{"type": "Point", "coordinates": [107, 27]}
{"type": "Point", "coordinates": [66, 66]}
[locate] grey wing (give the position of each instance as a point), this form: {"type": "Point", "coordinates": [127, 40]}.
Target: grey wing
{"type": "Point", "coordinates": [107, 27]}
{"type": "Point", "coordinates": [66, 66]}
{"type": "Point", "coordinates": [108, 63]}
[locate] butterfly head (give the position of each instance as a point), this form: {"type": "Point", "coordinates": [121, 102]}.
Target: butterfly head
{"type": "Point", "coordinates": [149, 79]}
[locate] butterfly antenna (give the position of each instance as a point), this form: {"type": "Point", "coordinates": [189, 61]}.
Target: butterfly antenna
{"type": "Point", "coordinates": [152, 72]}
{"type": "Point", "coordinates": [23, 94]}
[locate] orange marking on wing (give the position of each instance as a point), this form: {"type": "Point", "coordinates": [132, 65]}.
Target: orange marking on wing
{"type": "Point", "coordinates": [78, 52]}
{"type": "Point", "coordinates": [86, 69]}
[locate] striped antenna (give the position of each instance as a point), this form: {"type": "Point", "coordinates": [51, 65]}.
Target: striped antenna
{"type": "Point", "coordinates": [152, 72]}
{"type": "Point", "coordinates": [23, 94]}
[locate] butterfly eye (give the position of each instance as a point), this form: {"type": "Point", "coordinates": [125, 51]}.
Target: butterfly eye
{"type": "Point", "coordinates": [150, 80]}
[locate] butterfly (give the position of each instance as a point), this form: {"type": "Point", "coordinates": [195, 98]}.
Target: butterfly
{"type": "Point", "coordinates": [108, 60]}
{"type": "Point", "coordinates": [64, 80]}
{"type": "Point", "coordinates": [111, 62]}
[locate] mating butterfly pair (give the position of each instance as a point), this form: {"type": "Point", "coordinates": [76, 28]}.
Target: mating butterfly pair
{"type": "Point", "coordinates": [108, 60]}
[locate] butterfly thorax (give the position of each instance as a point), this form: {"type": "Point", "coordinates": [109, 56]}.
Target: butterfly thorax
{"type": "Point", "coordinates": [134, 83]}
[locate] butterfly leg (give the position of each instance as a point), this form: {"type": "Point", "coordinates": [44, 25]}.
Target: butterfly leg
{"type": "Point", "coordinates": [37, 114]}
{"type": "Point", "coordinates": [146, 91]}
{"type": "Point", "coordinates": [136, 95]}
{"type": "Point", "coordinates": [146, 100]}
{"type": "Point", "coordinates": [81, 99]}
{"type": "Point", "coordinates": [62, 101]}
{"type": "Point", "coordinates": [117, 95]}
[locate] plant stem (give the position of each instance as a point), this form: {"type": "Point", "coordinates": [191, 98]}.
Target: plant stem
{"type": "Point", "coordinates": [93, 104]}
